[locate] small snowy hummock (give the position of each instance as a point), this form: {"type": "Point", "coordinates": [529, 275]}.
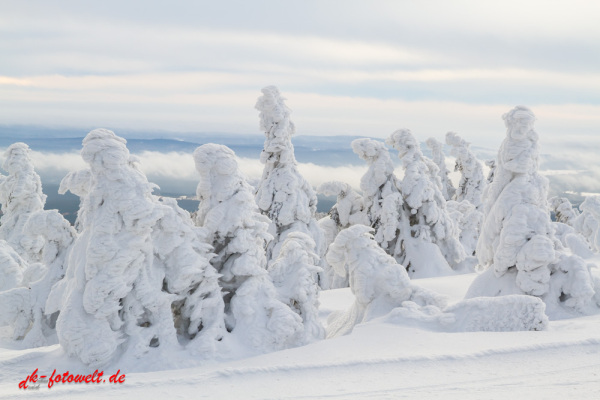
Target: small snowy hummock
{"type": "Point", "coordinates": [238, 233]}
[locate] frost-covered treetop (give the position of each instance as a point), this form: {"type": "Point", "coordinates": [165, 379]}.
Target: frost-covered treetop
{"type": "Point", "coordinates": [406, 144]}
{"type": "Point", "coordinates": [275, 122]}
{"type": "Point", "coordinates": [17, 158]}
{"type": "Point", "coordinates": [520, 154]}
{"type": "Point", "coordinates": [219, 174]}
{"type": "Point", "coordinates": [103, 150]}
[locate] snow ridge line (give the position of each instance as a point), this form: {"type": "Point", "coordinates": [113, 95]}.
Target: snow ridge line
{"type": "Point", "coordinates": [228, 372]}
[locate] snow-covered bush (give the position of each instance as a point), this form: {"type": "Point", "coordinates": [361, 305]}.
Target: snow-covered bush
{"type": "Point", "coordinates": [517, 243]}
{"type": "Point", "coordinates": [294, 274]}
{"type": "Point", "coordinates": [283, 194]}
{"type": "Point", "coordinates": [348, 210]}
{"type": "Point", "coordinates": [20, 195]}
{"type": "Point", "coordinates": [135, 264]}
{"type": "Point", "coordinates": [381, 194]}
{"type": "Point", "coordinates": [472, 183]}
{"type": "Point", "coordinates": [26, 305]}
{"type": "Point", "coordinates": [563, 210]}
{"type": "Point", "coordinates": [377, 281]}
{"type": "Point", "coordinates": [437, 156]}
{"type": "Point", "coordinates": [588, 222]}
{"type": "Point", "coordinates": [238, 233]}
{"type": "Point", "coordinates": [426, 227]}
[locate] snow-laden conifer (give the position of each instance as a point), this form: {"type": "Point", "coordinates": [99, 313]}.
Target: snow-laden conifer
{"type": "Point", "coordinates": [348, 210]}
{"type": "Point", "coordinates": [588, 222]}
{"type": "Point", "coordinates": [377, 281]}
{"type": "Point", "coordinates": [381, 194]}
{"type": "Point", "coordinates": [295, 274]}
{"type": "Point", "coordinates": [517, 243]}
{"type": "Point", "coordinates": [437, 156]}
{"type": "Point", "coordinates": [135, 263]}
{"type": "Point", "coordinates": [426, 226]}
{"type": "Point", "coordinates": [563, 210]}
{"type": "Point", "coordinates": [20, 195]}
{"type": "Point", "coordinates": [283, 194]}
{"type": "Point", "coordinates": [25, 306]}
{"type": "Point", "coordinates": [238, 232]}
{"type": "Point", "coordinates": [472, 182]}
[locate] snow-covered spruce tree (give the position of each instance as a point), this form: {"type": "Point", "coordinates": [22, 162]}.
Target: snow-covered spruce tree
{"type": "Point", "coordinates": [588, 222]}
{"type": "Point", "coordinates": [437, 156]}
{"type": "Point", "coordinates": [294, 274]}
{"type": "Point", "coordinates": [426, 227]}
{"type": "Point", "coordinates": [348, 210]}
{"type": "Point", "coordinates": [135, 266]}
{"type": "Point", "coordinates": [469, 221]}
{"type": "Point", "coordinates": [238, 232]}
{"type": "Point", "coordinates": [377, 281]}
{"type": "Point", "coordinates": [472, 182]}
{"type": "Point", "coordinates": [12, 267]}
{"type": "Point", "coordinates": [382, 198]}
{"type": "Point", "coordinates": [491, 164]}
{"type": "Point", "coordinates": [283, 194]}
{"type": "Point", "coordinates": [25, 307]}
{"type": "Point", "coordinates": [563, 210]}
{"type": "Point", "coordinates": [20, 195]}
{"type": "Point", "coordinates": [517, 243]}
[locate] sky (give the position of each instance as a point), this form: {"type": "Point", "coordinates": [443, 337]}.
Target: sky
{"type": "Point", "coordinates": [346, 67]}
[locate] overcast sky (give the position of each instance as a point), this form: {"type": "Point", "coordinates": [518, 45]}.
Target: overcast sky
{"type": "Point", "coordinates": [346, 67]}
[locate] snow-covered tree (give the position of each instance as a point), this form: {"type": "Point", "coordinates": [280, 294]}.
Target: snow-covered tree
{"type": "Point", "coordinates": [517, 243]}
{"type": "Point", "coordinates": [491, 164]}
{"type": "Point", "coordinates": [12, 267]}
{"type": "Point", "coordinates": [437, 156]}
{"type": "Point", "coordinates": [563, 210]}
{"type": "Point", "coordinates": [381, 194]}
{"type": "Point", "coordinates": [348, 210]}
{"type": "Point", "coordinates": [472, 182]}
{"type": "Point", "coordinates": [588, 222]}
{"type": "Point", "coordinates": [238, 232]}
{"type": "Point", "coordinates": [426, 227]}
{"type": "Point", "coordinates": [283, 194]}
{"type": "Point", "coordinates": [136, 264]}
{"type": "Point", "coordinates": [377, 281]}
{"type": "Point", "coordinates": [294, 274]}
{"type": "Point", "coordinates": [25, 307]}
{"type": "Point", "coordinates": [469, 221]}
{"type": "Point", "coordinates": [20, 195]}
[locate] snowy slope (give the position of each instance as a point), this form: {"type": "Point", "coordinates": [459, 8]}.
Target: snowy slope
{"type": "Point", "coordinates": [378, 360]}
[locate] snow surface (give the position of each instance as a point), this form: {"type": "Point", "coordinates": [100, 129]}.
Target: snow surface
{"type": "Point", "coordinates": [378, 360]}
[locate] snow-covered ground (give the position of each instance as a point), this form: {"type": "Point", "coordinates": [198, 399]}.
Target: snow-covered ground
{"type": "Point", "coordinates": [377, 360]}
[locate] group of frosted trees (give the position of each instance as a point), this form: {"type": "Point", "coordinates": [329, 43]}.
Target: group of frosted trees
{"type": "Point", "coordinates": [138, 274]}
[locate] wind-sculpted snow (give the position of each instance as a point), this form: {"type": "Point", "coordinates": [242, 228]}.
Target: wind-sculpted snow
{"type": "Point", "coordinates": [438, 158]}
{"type": "Point", "coordinates": [426, 220]}
{"type": "Point", "coordinates": [472, 182]}
{"type": "Point", "coordinates": [563, 210]}
{"type": "Point", "coordinates": [12, 267]}
{"type": "Point", "coordinates": [295, 274]}
{"type": "Point", "coordinates": [283, 194]}
{"type": "Point", "coordinates": [20, 195]}
{"type": "Point", "coordinates": [135, 263]}
{"type": "Point", "coordinates": [517, 238]}
{"type": "Point", "coordinates": [377, 281]}
{"type": "Point", "coordinates": [238, 233]}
